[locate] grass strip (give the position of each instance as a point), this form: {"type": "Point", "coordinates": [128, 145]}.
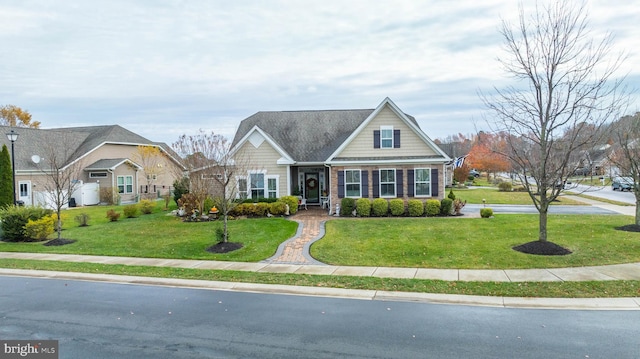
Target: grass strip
{"type": "Point", "coordinates": [593, 289]}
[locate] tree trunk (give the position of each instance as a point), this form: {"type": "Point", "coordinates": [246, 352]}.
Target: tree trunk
{"type": "Point", "coordinates": [637, 210]}
{"type": "Point", "coordinates": [542, 228]}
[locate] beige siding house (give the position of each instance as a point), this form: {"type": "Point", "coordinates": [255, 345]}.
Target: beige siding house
{"type": "Point", "coordinates": [324, 156]}
{"type": "Point", "coordinates": [103, 159]}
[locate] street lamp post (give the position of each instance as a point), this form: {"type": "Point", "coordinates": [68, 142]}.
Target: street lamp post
{"type": "Point", "coordinates": [13, 137]}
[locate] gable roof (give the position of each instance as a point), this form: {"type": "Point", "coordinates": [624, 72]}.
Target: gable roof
{"type": "Point", "coordinates": [109, 164]}
{"type": "Point", "coordinates": [72, 142]}
{"type": "Point", "coordinates": [315, 136]}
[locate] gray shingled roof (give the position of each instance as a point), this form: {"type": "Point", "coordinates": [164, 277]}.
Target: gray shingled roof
{"type": "Point", "coordinates": [72, 141]}
{"type": "Point", "coordinates": [307, 136]}
{"type": "Point", "coordinates": [105, 164]}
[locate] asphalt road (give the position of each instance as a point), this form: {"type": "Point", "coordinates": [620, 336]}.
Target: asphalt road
{"type": "Point", "coordinates": [604, 192]}
{"type": "Point", "coordinates": [107, 320]}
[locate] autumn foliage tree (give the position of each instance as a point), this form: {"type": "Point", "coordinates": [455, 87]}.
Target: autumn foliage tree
{"type": "Point", "coordinates": [14, 116]}
{"type": "Point", "coordinates": [151, 159]}
{"type": "Point", "coordinates": [483, 155]}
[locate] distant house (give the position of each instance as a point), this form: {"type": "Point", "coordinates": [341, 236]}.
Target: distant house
{"type": "Point", "coordinates": [107, 157]}
{"type": "Point", "coordinates": [325, 156]}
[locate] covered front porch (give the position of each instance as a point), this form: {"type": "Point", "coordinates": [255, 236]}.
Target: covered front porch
{"type": "Point", "coordinates": [311, 183]}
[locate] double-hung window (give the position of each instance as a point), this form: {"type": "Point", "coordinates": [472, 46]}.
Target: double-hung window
{"type": "Point", "coordinates": [242, 187]}
{"type": "Point", "coordinates": [125, 184]}
{"type": "Point", "coordinates": [352, 183]}
{"type": "Point", "coordinates": [257, 185]}
{"type": "Point", "coordinates": [388, 183]}
{"type": "Point", "coordinates": [272, 187]}
{"type": "Point", "coordinates": [386, 137]}
{"type": "Point", "coordinates": [422, 182]}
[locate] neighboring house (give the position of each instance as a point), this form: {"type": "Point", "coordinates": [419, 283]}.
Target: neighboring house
{"type": "Point", "coordinates": [105, 157]}
{"type": "Point", "coordinates": [324, 156]}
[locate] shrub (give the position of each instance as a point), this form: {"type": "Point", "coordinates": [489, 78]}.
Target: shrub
{"type": "Point", "coordinates": [292, 201]}
{"type": "Point", "coordinates": [380, 207]}
{"type": "Point", "coordinates": [260, 199]}
{"type": "Point", "coordinates": [260, 209]}
{"type": "Point", "coordinates": [130, 211]}
{"type": "Point", "coordinates": [277, 208]}
{"type": "Point", "coordinates": [109, 195]}
{"type": "Point", "coordinates": [347, 205]}
{"type": "Point", "coordinates": [14, 219]}
{"type": "Point", "coordinates": [415, 207]}
{"type": "Point", "coordinates": [486, 212]}
{"type": "Point", "coordinates": [82, 219]}
{"type": "Point", "coordinates": [113, 215]}
{"type": "Point", "coordinates": [208, 204]}
{"type": "Point", "coordinates": [470, 178]}
{"type": "Point", "coordinates": [180, 187]}
{"type": "Point", "coordinates": [39, 229]}
{"type": "Point", "coordinates": [519, 189]}
{"type": "Point", "coordinates": [451, 196]}
{"type": "Point", "coordinates": [396, 206]}
{"type": "Point", "coordinates": [363, 207]}
{"type": "Point", "coordinates": [446, 206]}
{"type": "Point", "coordinates": [189, 202]}
{"type": "Point", "coordinates": [458, 205]}
{"type": "Point", "coordinates": [504, 187]}
{"type": "Point", "coordinates": [432, 207]}
{"type": "Point", "coordinates": [147, 206]}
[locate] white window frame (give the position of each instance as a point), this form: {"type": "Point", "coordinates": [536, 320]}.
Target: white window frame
{"type": "Point", "coordinates": [268, 190]}
{"type": "Point", "coordinates": [383, 138]}
{"type": "Point", "coordinates": [416, 182]}
{"type": "Point", "coordinates": [347, 183]}
{"type": "Point", "coordinates": [98, 174]}
{"type": "Point", "coordinates": [250, 187]}
{"type": "Point", "coordinates": [127, 181]}
{"type": "Point", "coordinates": [393, 183]}
{"type": "Point", "coordinates": [240, 193]}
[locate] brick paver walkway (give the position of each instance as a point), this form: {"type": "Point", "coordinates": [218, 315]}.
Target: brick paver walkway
{"type": "Point", "coordinates": [296, 249]}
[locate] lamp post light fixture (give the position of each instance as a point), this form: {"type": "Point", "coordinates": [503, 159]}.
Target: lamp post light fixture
{"type": "Point", "coordinates": [13, 137]}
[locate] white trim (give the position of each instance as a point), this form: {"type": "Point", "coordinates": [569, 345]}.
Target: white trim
{"type": "Point", "coordinates": [434, 161]}
{"type": "Point", "coordinates": [386, 128]}
{"type": "Point", "coordinates": [387, 102]}
{"type": "Point", "coordinates": [415, 183]}
{"type": "Point", "coordinates": [395, 192]}
{"type": "Point", "coordinates": [266, 179]}
{"type": "Point", "coordinates": [360, 183]}
{"type": "Point", "coordinates": [286, 158]}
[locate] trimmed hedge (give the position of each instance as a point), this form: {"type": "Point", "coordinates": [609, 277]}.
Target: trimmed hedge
{"type": "Point", "coordinates": [415, 208]}
{"type": "Point", "coordinates": [380, 207]}
{"type": "Point", "coordinates": [486, 212]}
{"type": "Point", "coordinates": [446, 206]}
{"type": "Point", "coordinates": [347, 205]}
{"type": "Point", "coordinates": [363, 207]}
{"type": "Point", "coordinates": [432, 207]}
{"type": "Point", "coordinates": [396, 206]}
{"type": "Point", "coordinates": [292, 201]}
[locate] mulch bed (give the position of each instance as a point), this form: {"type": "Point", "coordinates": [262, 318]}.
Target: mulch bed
{"type": "Point", "coordinates": [629, 228]}
{"type": "Point", "coordinates": [542, 248]}
{"type": "Point", "coordinates": [223, 247]}
{"type": "Point", "coordinates": [58, 242]}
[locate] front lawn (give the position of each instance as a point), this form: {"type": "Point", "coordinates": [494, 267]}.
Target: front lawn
{"type": "Point", "coordinates": [159, 235]}
{"type": "Point", "coordinates": [475, 242]}
{"type": "Point", "coordinates": [493, 196]}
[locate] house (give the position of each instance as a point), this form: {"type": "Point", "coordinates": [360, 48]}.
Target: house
{"type": "Point", "coordinates": [325, 156]}
{"type": "Point", "coordinates": [104, 159]}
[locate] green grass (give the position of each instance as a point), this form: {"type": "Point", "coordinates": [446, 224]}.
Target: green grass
{"type": "Point", "coordinates": [158, 235]}
{"type": "Point", "coordinates": [475, 242]}
{"type": "Point", "coordinates": [493, 196]}
{"type": "Point", "coordinates": [603, 289]}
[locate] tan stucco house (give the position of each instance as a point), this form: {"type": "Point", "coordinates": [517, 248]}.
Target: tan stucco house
{"type": "Point", "coordinates": [104, 160]}
{"type": "Point", "coordinates": [324, 156]}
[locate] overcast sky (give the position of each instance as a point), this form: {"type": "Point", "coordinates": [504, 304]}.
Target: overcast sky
{"type": "Point", "coordinates": [164, 68]}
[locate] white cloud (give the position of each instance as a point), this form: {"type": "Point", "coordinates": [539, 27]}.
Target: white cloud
{"type": "Point", "coordinates": [162, 68]}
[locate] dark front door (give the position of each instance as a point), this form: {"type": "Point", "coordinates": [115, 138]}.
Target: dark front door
{"type": "Point", "coordinates": [312, 187]}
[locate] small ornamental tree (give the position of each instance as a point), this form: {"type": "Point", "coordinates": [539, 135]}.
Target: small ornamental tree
{"type": "Point", "coordinates": [6, 179]}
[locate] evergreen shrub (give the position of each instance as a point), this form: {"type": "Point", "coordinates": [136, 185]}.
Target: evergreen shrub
{"type": "Point", "coordinates": [380, 207]}
{"type": "Point", "coordinates": [363, 207]}
{"type": "Point", "coordinates": [432, 207]}
{"type": "Point", "coordinates": [396, 206]}
{"type": "Point", "coordinates": [416, 208]}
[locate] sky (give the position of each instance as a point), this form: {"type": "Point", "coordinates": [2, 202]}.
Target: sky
{"type": "Point", "coordinates": [163, 68]}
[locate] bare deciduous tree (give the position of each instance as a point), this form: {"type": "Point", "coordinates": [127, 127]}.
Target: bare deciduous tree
{"type": "Point", "coordinates": [566, 84]}
{"type": "Point", "coordinates": [626, 156]}
{"type": "Point", "coordinates": [212, 170]}
{"type": "Point", "coordinates": [61, 176]}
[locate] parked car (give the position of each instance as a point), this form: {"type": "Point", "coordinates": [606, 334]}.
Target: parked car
{"type": "Point", "coordinates": [474, 173]}
{"type": "Point", "coordinates": [622, 183]}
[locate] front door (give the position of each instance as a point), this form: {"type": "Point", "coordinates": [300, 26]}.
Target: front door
{"type": "Point", "coordinates": [24, 192]}
{"type": "Point", "coordinates": [312, 187]}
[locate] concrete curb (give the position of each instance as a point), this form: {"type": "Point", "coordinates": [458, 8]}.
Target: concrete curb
{"type": "Point", "coordinates": [469, 300]}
